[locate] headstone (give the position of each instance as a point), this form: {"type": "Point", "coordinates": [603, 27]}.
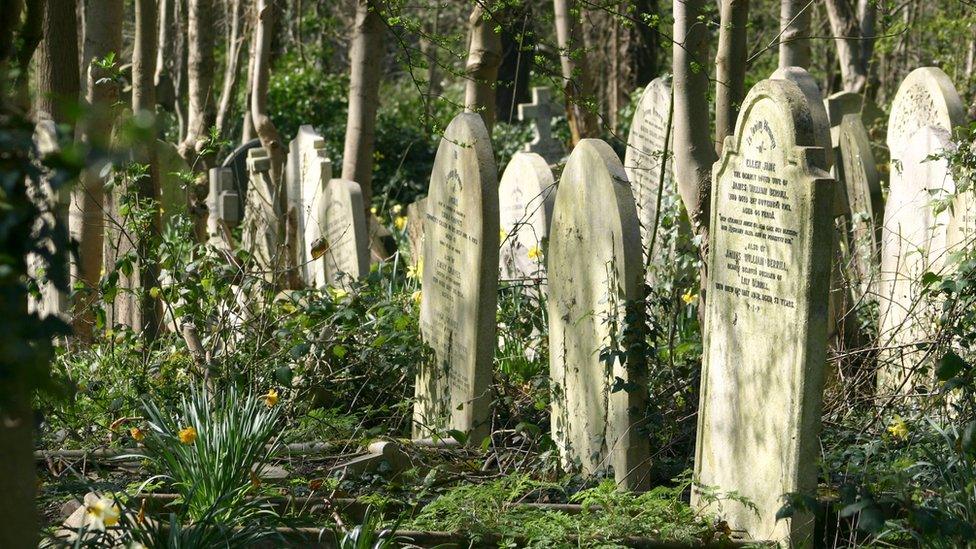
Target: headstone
{"type": "Point", "coordinates": [649, 148]}
{"type": "Point", "coordinates": [765, 316]}
{"type": "Point", "coordinates": [525, 197]}
{"type": "Point", "coordinates": [173, 194]}
{"type": "Point", "coordinates": [312, 171]}
{"type": "Point", "coordinates": [460, 282]}
{"type": "Point", "coordinates": [842, 103]}
{"type": "Point", "coordinates": [923, 114]}
{"type": "Point", "coordinates": [223, 205]}
{"type": "Point", "coordinates": [811, 90]}
{"type": "Point", "coordinates": [596, 286]}
{"type": "Point", "coordinates": [261, 216]}
{"type": "Point", "coordinates": [863, 186]}
{"type": "Point", "coordinates": [237, 162]}
{"type": "Point", "coordinates": [341, 222]}
{"type": "Point", "coordinates": [541, 111]}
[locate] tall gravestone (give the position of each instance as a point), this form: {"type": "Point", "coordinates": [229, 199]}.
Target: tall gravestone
{"type": "Point", "coordinates": [341, 221]}
{"type": "Point", "coordinates": [649, 164]}
{"type": "Point", "coordinates": [460, 283]}
{"type": "Point", "coordinates": [860, 178]}
{"type": "Point", "coordinates": [541, 112]}
{"type": "Point", "coordinates": [261, 216]}
{"type": "Point", "coordinates": [596, 281]}
{"type": "Point", "coordinates": [525, 197]}
{"type": "Point", "coordinates": [765, 316]}
{"type": "Point", "coordinates": [923, 114]}
{"type": "Point", "coordinates": [312, 171]}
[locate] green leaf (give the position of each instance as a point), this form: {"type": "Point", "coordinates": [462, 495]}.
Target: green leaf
{"type": "Point", "coordinates": [950, 366]}
{"type": "Point", "coordinates": [339, 351]}
{"type": "Point", "coordinates": [284, 375]}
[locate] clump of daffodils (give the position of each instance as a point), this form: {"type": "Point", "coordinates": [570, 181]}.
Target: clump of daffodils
{"type": "Point", "coordinates": [103, 513]}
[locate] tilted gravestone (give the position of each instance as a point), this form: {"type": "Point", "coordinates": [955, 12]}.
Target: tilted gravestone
{"type": "Point", "coordinates": [525, 197]}
{"type": "Point", "coordinates": [341, 222]}
{"type": "Point", "coordinates": [649, 149]}
{"type": "Point", "coordinates": [312, 171]}
{"type": "Point", "coordinates": [460, 283]}
{"type": "Point", "coordinates": [541, 112]}
{"type": "Point", "coordinates": [261, 216]}
{"type": "Point", "coordinates": [839, 105]}
{"type": "Point", "coordinates": [596, 286]}
{"type": "Point", "coordinates": [860, 178]}
{"type": "Point", "coordinates": [924, 112]}
{"type": "Point", "coordinates": [765, 316]}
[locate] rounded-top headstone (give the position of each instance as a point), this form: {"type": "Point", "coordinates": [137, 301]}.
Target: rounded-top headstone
{"type": "Point", "coordinates": [460, 284]}
{"type": "Point", "coordinates": [926, 97]}
{"type": "Point", "coordinates": [341, 221]}
{"type": "Point", "coordinates": [595, 283]}
{"type": "Point", "coordinates": [770, 248]}
{"type": "Point", "coordinates": [525, 197]}
{"type": "Point", "coordinates": [811, 90]}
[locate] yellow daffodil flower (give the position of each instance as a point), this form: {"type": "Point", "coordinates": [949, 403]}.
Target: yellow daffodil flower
{"type": "Point", "coordinates": [689, 298]}
{"type": "Point", "coordinates": [372, 210]}
{"type": "Point", "coordinates": [535, 253]}
{"type": "Point", "coordinates": [137, 434]}
{"type": "Point", "coordinates": [898, 428]}
{"type": "Point", "coordinates": [188, 435]}
{"type": "Point", "coordinates": [400, 222]}
{"type": "Point", "coordinates": [397, 208]}
{"type": "Point", "coordinates": [416, 272]}
{"type": "Point", "coordinates": [104, 512]}
{"type": "Point", "coordinates": [416, 296]}
{"type": "Point", "coordinates": [502, 235]}
{"type": "Point", "coordinates": [271, 398]}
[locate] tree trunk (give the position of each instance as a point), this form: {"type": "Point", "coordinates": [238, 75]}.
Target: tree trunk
{"type": "Point", "coordinates": [481, 68]}
{"type": "Point", "coordinates": [516, 64]}
{"type": "Point", "coordinates": [429, 49]}
{"type": "Point", "coordinates": [730, 68]}
{"type": "Point", "coordinates": [57, 72]}
{"type": "Point", "coordinates": [577, 81]}
{"type": "Point", "coordinates": [694, 152]}
{"type": "Point", "coordinates": [103, 36]}
{"type": "Point", "coordinates": [163, 78]}
{"type": "Point", "coordinates": [867, 15]}
{"type": "Point", "coordinates": [847, 36]}
{"type": "Point", "coordinates": [794, 39]}
{"type": "Point", "coordinates": [247, 126]}
{"type": "Point", "coordinates": [644, 42]}
{"type": "Point", "coordinates": [232, 71]}
{"type": "Point", "coordinates": [365, 56]}
{"type": "Point", "coordinates": [200, 72]}
{"type": "Point", "coordinates": [18, 480]}
{"type": "Point", "coordinates": [270, 138]}
{"type": "Point", "coordinates": [179, 70]}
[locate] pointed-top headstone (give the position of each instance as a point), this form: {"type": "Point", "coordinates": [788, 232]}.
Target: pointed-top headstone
{"type": "Point", "coordinates": [541, 111]}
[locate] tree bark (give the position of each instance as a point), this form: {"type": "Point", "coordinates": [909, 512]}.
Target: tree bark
{"type": "Point", "coordinates": [247, 126]}
{"type": "Point", "coordinates": [429, 50]}
{"type": "Point", "coordinates": [516, 64]}
{"type": "Point", "coordinates": [232, 71]}
{"type": "Point", "coordinates": [730, 68]}
{"type": "Point", "coordinates": [103, 36]}
{"type": "Point", "coordinates": [694, 152]}
{"type": "Point", "coordinates": [847, 37]}
{"type": "Point", "coordinates": [481, 68]}
{"type": "Point", "coordinates": [163, 78]}
{"type": "Point", "coordinates": [644, 44]}
{"type": "Point", "coordinates": [577, 81]}
{"type": "Point", "coordinates": [867, 15]}
{"type": "Point", "coordinates": [794, 39]}
{"type": "Point", "coordinates": [200, 73]}
{"type": "Point", "coordinates": [365, 56]}
{"type": "Point", "coordinates": [57, 72]}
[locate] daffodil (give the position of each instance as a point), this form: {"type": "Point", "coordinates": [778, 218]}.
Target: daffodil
{"type": "Point", "coordinates": [137, 434]}
{"type": "Point", "coordinates": [898, 428]}
{"type": "Point", "coordinates": [397, 208]}
{"type": "Point", "coordinates": [271, 398]}
{"type": "Point", "coordinates": [188, 435]}
{"type": "Point", "coordinates": [372, 210]}
{"type": "Point", "coordinates": [416, 296]}
{"type": "Point", "coordinates": [502, 235]}
{"type": "Point", "coordinates": [535, 253]}
{"type": "Point", "coordinates": [416, 272]}
{"type": "Point", "coordinates": [400, 222]}
{"type": "Point", "coordinates": [103, 513]}
{"type": "Point", "coordinates": [689, 298]}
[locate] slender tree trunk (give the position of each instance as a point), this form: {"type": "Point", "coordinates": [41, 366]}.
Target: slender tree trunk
{"type": "Point", "coordinates": [694, 152]}
{"type": "Point", "coordinates": [847, 36]}
{"type": "Point", "coordinates": [163, 78]}
{"type": "Point", "coordinates": [730, 68]}
{"type": "Point", "coordinates": [200, 70]}
{"type": "Point", "coordinates": [57, 72]}
{"type": "Point", "coordinates": [794, 26]}
{"type": "Point", "coordinates": [481, 68]}
{"type": "Point", "coordinates": [247, 128]}
{"type": "Point", "coordinates": [365, 56]}
{"type": "Point", "coordinates": [429, 50]}
{"type": "Point", "coordinates": [867, 16]}
{"type": "Point", "coordinates": [103, 36]}
{"type": "Point", "coordinates": [513, 73]}
{"type": "Point", "coordinates": [179, 70]}
{"type": "Point", "coordinates": [644, 44]}
{"type": "Point", "coordinates": [577, 81]}
{"type": "Point", "coordinates": [232, 71]}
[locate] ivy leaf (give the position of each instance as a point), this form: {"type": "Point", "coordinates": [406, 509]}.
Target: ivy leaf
{"type": "Point", "coordinates": [949, 366]}
{"type": "Point", "coordinates": [284, 375]}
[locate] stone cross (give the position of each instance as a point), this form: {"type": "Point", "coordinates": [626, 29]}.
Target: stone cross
{"type": "Point", "coordinates": [460, 284]}
{"type": "Point", "coordinates": [596, 281]}
{"type": "Point", "coordinates": [525, 196]}
{"type": "Point", "coordinates": [541, 112]}
{"type": "Point", "coordinates": [765, 316]}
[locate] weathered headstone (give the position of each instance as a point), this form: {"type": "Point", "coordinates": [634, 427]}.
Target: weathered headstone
{"type": "Point", "coordinates": [596, 281]}
{"type": "Point", "coordinates": [541, 112]}
{"type": "Point", "coordinates": [923, 114]}
{"type": "Point", "coordinates": [649, 149]}
{"type": "Point", "coordinates": [341, 222]}
{"type": "Point", "coordinates": [312, 171]}
{"type": "Point", "coordinates": [460, 282]}
{"type": "Point", "coordinates": [811, 90]}
{"type": "Point", "coordinates": [863, 186]}
{"type": "Point", "coordinates": [765, 317]}
{"type": "Point", "coordinates": [525, 197]}
{"type": "Point", "coordinates": [223, 206]}
{"type": "Point", "coordinates": [261, 216]}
